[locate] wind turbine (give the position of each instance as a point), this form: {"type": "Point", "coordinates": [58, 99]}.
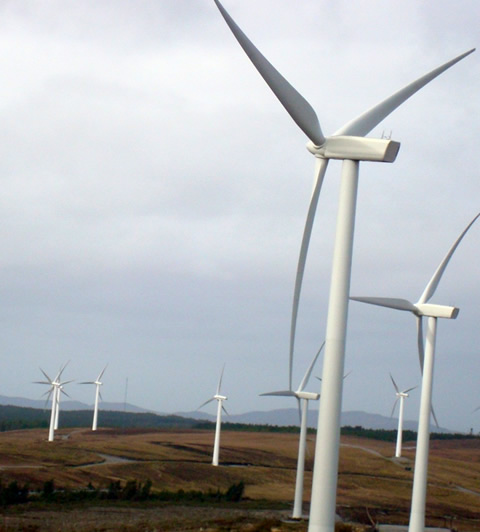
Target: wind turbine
{"type": "Point", "coordinates": [350, 145]}
{"type": "Point", "coordinates": [220, 398]}
{"type": "Point", "coordinates": [98, 396]}
{"type": "Point", "coordinates": [432, 311]}
{"type": "Point", "coordinates": [401, 395]}
{"type": "Point", "coordinates": [302, 397]}
{"type": "Point", "coordinates": [55, 385]}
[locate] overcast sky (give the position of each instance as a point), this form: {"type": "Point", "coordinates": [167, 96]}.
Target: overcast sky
{"type": "Point", "coordinates": [154, 192]}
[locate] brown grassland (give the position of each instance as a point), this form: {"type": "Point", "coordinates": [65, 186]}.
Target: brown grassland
{"type": "Point", "coordinates": [372, 486]}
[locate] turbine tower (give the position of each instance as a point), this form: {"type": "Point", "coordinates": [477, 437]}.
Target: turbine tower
{"type": "Point", "coordinates": [98, 383]}
{"type": "Point", "coordinates": [423, 309]}
{"type": "Point", "coordinates": [401, 396]}
{"type": "Point", "coordinates": [302, 397]}
{"type": "Point", "coordinates": [219, 398]}
{"type": "Point", "coordinates": [350, 145]}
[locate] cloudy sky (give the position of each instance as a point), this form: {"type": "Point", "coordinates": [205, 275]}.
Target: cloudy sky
{"type": "Point", "coordinates": [154, 192]}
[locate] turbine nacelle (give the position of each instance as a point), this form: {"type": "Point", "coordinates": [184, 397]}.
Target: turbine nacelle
{"type": "Point", "coordinates": [220, 397]}
{"type": "Point", "coordinates": [436, 311]}
{"type": "Point", "coordinates": [356, 149]}
{"type": "Point", "coordinates": [309, 396]}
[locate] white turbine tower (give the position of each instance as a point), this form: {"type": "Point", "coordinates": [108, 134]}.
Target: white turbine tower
{"type": "Point", "coordinates": [219, 398]}
{"type": "Point", "coordinates": [350, 145]}
{"type": "Point", "coordinates": [432, 311]}
{"type": "Point", "coordinates": [98, 383]}
{"type": "Point", "coordinates": [302, 397]}
{"type": "Point", "coordinates": [401, 396]}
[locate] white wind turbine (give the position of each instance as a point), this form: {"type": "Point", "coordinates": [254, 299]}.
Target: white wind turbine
{"type": "Point", "coordinates": [98, 383]}
{"type": "Point", "coordinates": [432, 311]}
{"type": "Point", "coordinates": [302, 397]}
{"type": "Point", "coordinates": [401, 396]}
{"type": "Point", "coordinates": [219, 398]}
{"type": "Point", "coordinates": [350, 145]}
{"type": "Point", "coordinates": [53, 392]}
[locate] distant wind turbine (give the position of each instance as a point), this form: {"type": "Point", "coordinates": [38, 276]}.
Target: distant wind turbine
{"type": "Point", "coordinates": [53, 392]}
{"type": "Point", "coordinates": [219, 398]}
{"type": "Point", "coordinates": [401, 396]}
{"type": "Point", "coordinates": [302, 397]}
{"type": "Point", "coordinates": [98, 383]}
{"type": "Point", "coordinates": [423, 309]}
{"type": "Point", "coordinates": [349, 144]}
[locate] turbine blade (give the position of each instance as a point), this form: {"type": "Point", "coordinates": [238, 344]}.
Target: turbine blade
{"type": "Point", "coordinates": [299, 412]}
{"type": "Point", "coordinates": [206, 403]}
{"type": "Point", "coordinates": [309, 370]}
{"type": "Point", "coordinates": [87, 382]}
{"type": "Point", "coordinates": [394, 405]}
{"type": "Point", "coordinates": [295, 104]}
{"type": "Point", "coordinates": [282, 393]}
{"type": "Point", "coordinates": [390, 302]}
{"type": "Point", "coordinates": [62, 369]}
{"type": "Point", "coordinates": [433, 283]}
{"type": "Point", "coordinates": [394, 384]}
{"type": "Point", "coordinates": [320, 169]}
{"type": "Point", "coordinates": [409, 389]}
{"type": "Point", "coordinates": [435, 418]}
{"type": "Point", "coordinates": [46, 376]}
{"type": "Point", "coordinates": [100, 396]}
{"type": "Point", "coordinates": [65, 393]}
{"type": "Point", "coordinates": [421, 348]}
{"type": "Point", "coordinates": [364, 123]}
{"type": "Point", "coordinates": [102, 372]}
{"type": "Point", "coordinates": [225, 410]}
{"type": "Point", "coordinates": [220, 381]}
{"type": "Point", "coordinates": [476, 409]}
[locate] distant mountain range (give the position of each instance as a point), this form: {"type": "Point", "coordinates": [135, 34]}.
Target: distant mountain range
{"type": "Point", "coordinates": [280, 417]}
{"type": "Point", "coordinates": [290, 416]}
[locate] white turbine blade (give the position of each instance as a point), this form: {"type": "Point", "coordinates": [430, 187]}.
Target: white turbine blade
{"type": "Point", "coordinates": [41, 382]}
{"type": "Point", "coordinates": [86, 382]}
{"type": "Point", "coordinates": [225, 410]}
{"type": "Point", "coordinates": [435, 418]}
{"type": "Point", "coordinates": [421, 348]}
{"type": "Point", "coordinates": [295, 104]}
{"type": "Point", "coordinates": [394, 384]}
{"type": "Point", "coordinates": [433, 283]}
{"type": "Point", "coordinates": [206, 403]}
{"type": "Point", "coordinates": [101, 373]}
{"type": "Point", "coordinates": [282, 393]}
{"type": "Point", "coordinates": [390, 302]}
{"type": "Point", "coordinates": [409, 389]}
{"type": "Point", "coordinates": [394, 405]}
{"type": "Point", "coordinates": [62, 369]}
{"type": "Point", "coordinates": [306, 377]}
{"type": "Point", "coordinates": [364, 123]}
{"type": "Point", "coordinates": [65, 393]}
{"type": "Point", "coordinates": [320, 169]}
{"type": "Point", "coordinates": [65, 382]}
{"type": "Point", "coordinates": [220, 381]}
{"type": "Point", "coordinates": [476, 409]}
{"type": "Point", "coordinates": [100, 396]}
{"type": "Point", "coordinates": [46, 376]}
{"type": "Point", "coordinates": [299, 412]}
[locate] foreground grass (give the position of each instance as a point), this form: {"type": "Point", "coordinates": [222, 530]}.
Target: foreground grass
{"type": "Point", "coordinates": [372, 485]}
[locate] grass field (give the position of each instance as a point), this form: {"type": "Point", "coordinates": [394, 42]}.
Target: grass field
{"type": "Point", "coordinates": [371, 486]}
